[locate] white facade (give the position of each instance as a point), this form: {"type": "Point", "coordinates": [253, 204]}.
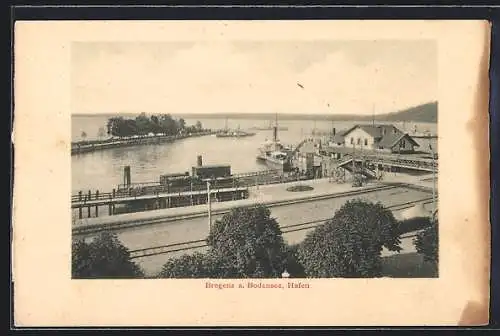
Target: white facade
{"type": "Point", "coordinates": [358, 138]}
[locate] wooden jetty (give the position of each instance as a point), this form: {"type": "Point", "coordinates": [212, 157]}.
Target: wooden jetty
{"type": "Point", "coordinates": [81, 147]}
{"type": "Point", "coordinates": [174, 190]}
{"type": "Point", "coordinates": [152, 201]}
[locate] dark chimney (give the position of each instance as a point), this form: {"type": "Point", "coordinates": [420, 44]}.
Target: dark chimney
{"type": "Point", "coordinates": [126, 176]}
{"type": "Point", "coordinates": [334, 131]}
{"type": "Point", "coordinates": [200, 161]}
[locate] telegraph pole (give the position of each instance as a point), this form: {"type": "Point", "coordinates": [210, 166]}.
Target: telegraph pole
{"type": "Point", "coordinates": [433, 179]}
{"type": "Point", "coordinates": [209, 203]}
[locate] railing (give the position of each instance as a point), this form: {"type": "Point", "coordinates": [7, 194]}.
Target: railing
{"type": "Point", "coordinates": [76, 144]}
{"type": "Point", "coordinates": [89, 146]}
{"type": "Point", "coordinates": [153, 188]}
{"type": "Point", "coordinates": [116, 196]}
{"type": "Point", "coordinates": [258, 173]}
{"type": "Point", "coordinates": [345, 159]}
{"type": "Point", "coordinates": [385, 159]}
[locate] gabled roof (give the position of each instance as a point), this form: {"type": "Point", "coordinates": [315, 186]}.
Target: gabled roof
{"type": "Point", "coordinates": [339, 136]}
{"type": "Point", "coordinates": [389, 140]}
{"type": "Point", "coordinates": [376, 131]}
{"type": "Point", "coordinates": [386, 135]}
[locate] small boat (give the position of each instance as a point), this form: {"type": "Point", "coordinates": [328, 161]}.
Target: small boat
{"type": "Point", "coordinates": [227, 133]}
{"type": "Point", "coordinates": [269, 128]}
{"type": "Point", "coordinates": [233, 134]}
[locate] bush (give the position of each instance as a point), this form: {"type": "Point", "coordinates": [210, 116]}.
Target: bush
{"type": "Point", "coordinates": [104, 257]}
{"type": "Point", "coordinates": [350, 244]}
{"type": "Point", "coordinates": [196, 265]}
{"type": "Point", "coordinates": [248, 240]}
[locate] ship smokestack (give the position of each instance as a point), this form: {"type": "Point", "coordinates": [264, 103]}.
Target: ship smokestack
{"type": "Point", "coordinates": [200, 161]}
{"type": "Point", "coordinates": [275, 133]}
{"type": "Point", "coordinates": [334, 131]}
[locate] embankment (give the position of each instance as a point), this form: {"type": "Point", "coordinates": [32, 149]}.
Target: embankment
{"type": "Point", "coordinates": [95, 145]}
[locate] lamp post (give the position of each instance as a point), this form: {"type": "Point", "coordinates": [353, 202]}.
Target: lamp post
{"type": "Point", "coordinates": [209, 204]}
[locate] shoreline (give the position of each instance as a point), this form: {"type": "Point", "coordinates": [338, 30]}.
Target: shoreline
{"type": "Point", "coordinates": [82, 147]}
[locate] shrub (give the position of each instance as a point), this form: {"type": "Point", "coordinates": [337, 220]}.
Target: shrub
{"type": "Point", "coordinates": [249, 240]}
{"type": "Point", "coordinates": [196, 265]}
{"type": "Point", "coordinates": [104, 257]}
{"type": "Point", "coordinates": [350, 244]}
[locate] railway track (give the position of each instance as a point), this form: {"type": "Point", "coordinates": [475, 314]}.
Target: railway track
{"type": "Point", "coordinates": [198, 244]}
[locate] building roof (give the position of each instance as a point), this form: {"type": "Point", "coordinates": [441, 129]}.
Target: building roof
{"type": "Point", "coordinates": [212, 166]}
{"type": "Point", "coordinates": [376, 131]}
{"type": "Point", "coordinates": [390, 140]}
{"type": "Point", "coordinates": [339, 136]}
{"type": "Point", "coordinates": [385, 135]}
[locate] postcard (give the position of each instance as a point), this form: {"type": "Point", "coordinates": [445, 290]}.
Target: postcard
{"type": "Point", "coordinates": [251, 173]}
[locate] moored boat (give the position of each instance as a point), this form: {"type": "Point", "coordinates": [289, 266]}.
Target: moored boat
{"type": "Point", "coordinates": [233, 134]}
{"type": "Point", "coordinates": [237, 133]}
{"type": "Point", "coordinates": [274, 153]}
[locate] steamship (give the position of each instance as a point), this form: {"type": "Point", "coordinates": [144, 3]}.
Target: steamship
{"type": "Point", "coordinates": [274, 154]}
{"type": "Point", "coordinates": [227, 133]}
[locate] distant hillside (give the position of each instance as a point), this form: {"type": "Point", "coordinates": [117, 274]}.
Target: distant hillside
{"type": "Point", "coordinates": [422, 113]}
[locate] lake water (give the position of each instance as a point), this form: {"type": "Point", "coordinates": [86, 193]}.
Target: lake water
{"type": "Point", "coordinates": [103, 170]}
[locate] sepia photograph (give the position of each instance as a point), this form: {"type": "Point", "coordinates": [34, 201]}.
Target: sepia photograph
{"type": "Point", "coordinates": [334, 176]}
{"type": "Point", "coordinates": [192, 171]}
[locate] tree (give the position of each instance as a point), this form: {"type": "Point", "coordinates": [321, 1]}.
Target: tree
{"type": "Point", "coordinates": [143, 124]}
{"type": "Point", "coordinates": [182, 124]}
{"type": "Point", "coordinates": [104, 257]}
{"type": "Point", "coordinates": [249, 240]}
{"type": "Point", "coordinates": [83, 135]}
{"type": "Point", "coordinates": [168, 124]}
{"type": "Point", "coordinates": [427, 243]}
{"type": "Point", "coordinates": [155, 125]}
{"type": "Point", "coordinates": [128, 128]}
{"type": "Point", "coordinates": [114, 126]}
{"type": "Point", "coordinates": [196, 265]}
{"type": "Point", "coordinates": [350, 244]}
{"type": "Point", "coordinates": [198, 125]}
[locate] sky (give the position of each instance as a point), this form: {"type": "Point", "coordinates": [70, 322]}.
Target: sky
{"type": "Point", "coordinates": [324, 77]}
